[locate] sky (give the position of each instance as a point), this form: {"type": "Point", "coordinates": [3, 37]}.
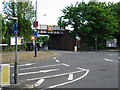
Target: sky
{"type": "Point", "coordinates": [48, 11]}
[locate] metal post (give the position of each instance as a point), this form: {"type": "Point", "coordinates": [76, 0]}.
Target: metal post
{"type": "Point", "coordinates": [16, 61]}
{"type": "Point", "coordinates": [96, 43]}
{"type": "Point", "coordinates": [36, 37]}
{"type": "Point", "coordinates": [15, 19]}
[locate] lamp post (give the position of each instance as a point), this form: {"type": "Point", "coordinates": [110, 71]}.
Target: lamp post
{"type": "Point", "coordinates": [15, 31]}
{"type": "Point", "coordinates": [36, 25]}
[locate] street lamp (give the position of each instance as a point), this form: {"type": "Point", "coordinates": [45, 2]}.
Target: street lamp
{"type": "Point", "coordinates": [15, 29]}
{"type": "Point", "coordinates": [35, 32]}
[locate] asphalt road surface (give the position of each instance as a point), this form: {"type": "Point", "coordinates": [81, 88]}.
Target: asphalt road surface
{"type": "Point", "coordinates": [71, 70]}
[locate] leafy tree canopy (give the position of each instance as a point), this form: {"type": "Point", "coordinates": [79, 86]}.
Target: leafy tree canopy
{"type": "Point", "coordinates": [25, 13]}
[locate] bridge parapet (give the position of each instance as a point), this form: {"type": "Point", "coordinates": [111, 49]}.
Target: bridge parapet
{"type": "Point", "coordinates": [50, 29]}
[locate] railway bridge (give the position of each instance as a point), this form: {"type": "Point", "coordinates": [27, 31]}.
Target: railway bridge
{"type": "Point", "coordinates": [59, 38]}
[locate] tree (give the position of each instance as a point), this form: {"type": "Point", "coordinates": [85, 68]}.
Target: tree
{"type": "Point", "coordinates": [94, 19]}
{"type": "Point", "coordinates": [24, 11]}
{"type": "Point", "coordinates": [116, 8]}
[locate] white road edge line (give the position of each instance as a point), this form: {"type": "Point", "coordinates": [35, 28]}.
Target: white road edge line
{"type": "Point", "coordinates": [70, 81]}
{"type": "Point", "coordinates": [28, 64]}
{"type": "Point", "coordinates": [43, 66]}
{"type": "Point", "coordinates": [39, 82]}
{"type": "Point", "coordinates": [41, 71]}
{"type": "Point", "coordinates": [70, 77]}
{"type": "Point", "coordinates": [57, 75]}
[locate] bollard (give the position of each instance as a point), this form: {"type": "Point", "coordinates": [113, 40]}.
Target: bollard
{"type": "Point", "coordinates": [75, 48]}
{"type": "Point", "coordinates": [4, 75]}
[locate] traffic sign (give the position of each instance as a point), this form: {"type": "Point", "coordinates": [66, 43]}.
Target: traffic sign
{"type": "Point", "coordinates": [49, 28]}
{"type": "Point", "coordinates": [15, 27]}
{"type": "Point", "coordinates": [35, 24]}
{"type": "Point", "coordinates": [77, 37]}
{"type": "Point", "coordinates": [35, 34]}
{"type": "Point", "coordinates": [33, 37]}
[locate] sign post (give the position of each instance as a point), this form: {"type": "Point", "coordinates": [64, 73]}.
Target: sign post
{"type": "Point", "coordinates": [77, 39]}
{"type": "Point", "coordinates": [15, 31]}
{"type": "Point", "coordinates": [16, 52]}
{"type": "Point", "coordinates": [35, 34]}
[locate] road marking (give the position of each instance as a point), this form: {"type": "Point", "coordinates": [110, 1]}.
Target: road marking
{"type": "Point", "coordinates": [39, 82]}
{"type": "Point", "coordinates": [57, 60]}
{"type": "Point", "coordinates": [91, 52]}
{"type": "Point", "coordinates": [82, 69]}
{"type": "Point", "coordinates": [70, 77]}
{"type": "Point", "coordinates": [111, 54]}
{"type": "Point", "coordinates": [70, 81]}
{"type": "Point", "coordinates": [28, 64]}
{"type": "Point", "coordinates": [66, 64]}
{"type": "Point", "coordinates": [109, 60]}
{"type": "Point", "coordinates": [57, 75]}
{"type": "Point", "coordinates": [41, 71]}
{"type": "Point", "coordinates": [44, 66]}
{"type": "Point", "coordinates": [119, 57]}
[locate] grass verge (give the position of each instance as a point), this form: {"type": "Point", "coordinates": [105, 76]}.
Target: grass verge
{"type": "Point", "coordinates": [9, 58]}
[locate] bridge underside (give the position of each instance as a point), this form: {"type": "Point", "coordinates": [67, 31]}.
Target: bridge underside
{"type": "Point", "coordinates": [59, 40]}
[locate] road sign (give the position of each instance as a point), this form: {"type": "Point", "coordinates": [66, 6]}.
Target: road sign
{"type": "Point", "coordinates": [35, 34]}
{"type": "Point", "coordinates": [33, 37]}
{"type": "Point", "coordinates": [35, 24]}
{"type": "Point", "coordinates": [15, 27]}
{"type": "Point", "coordinates": [77, 37]}
{"type": "Point", "coordinates": [49, 28]}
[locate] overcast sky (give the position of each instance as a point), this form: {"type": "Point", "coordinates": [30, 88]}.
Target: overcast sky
{"type": "Point", "coordinates": [48, 11]}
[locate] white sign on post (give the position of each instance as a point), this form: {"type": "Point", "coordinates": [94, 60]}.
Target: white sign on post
{"type": "Point", "coordinates": [19, 40]}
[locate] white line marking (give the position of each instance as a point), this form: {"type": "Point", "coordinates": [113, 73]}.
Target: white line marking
{"type": "Point", "coordinates": [41, 71]}
{"type": "Point", "coordinates": [57, 60]}
{"type": "Point", "coordinates": [70, 81]}
{"type": "Point", "coordinates": [119, 57]}
{"type": "Point", "coordinates": [28, 64]}
{"type": "Point", "coordinates": [108, 59]}
{"type": "Point", "coordinates": [91, 52]}
{"type": "Point", "coordinates": [82, 69]}
{"type": "Point", "coordinates": [39, 82]}
{"type": "Point", "coordinates": [70, 77]}
{"type": "Point", "coordinates": [66, 64]}
{"type": "Point", "coordinates": [56, 75]}
{"type": "Point", "coordinates": [44, 66]}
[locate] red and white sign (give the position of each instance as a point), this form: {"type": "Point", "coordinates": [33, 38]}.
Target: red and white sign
{"type": "Point", "coordinates": [35, 24]}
